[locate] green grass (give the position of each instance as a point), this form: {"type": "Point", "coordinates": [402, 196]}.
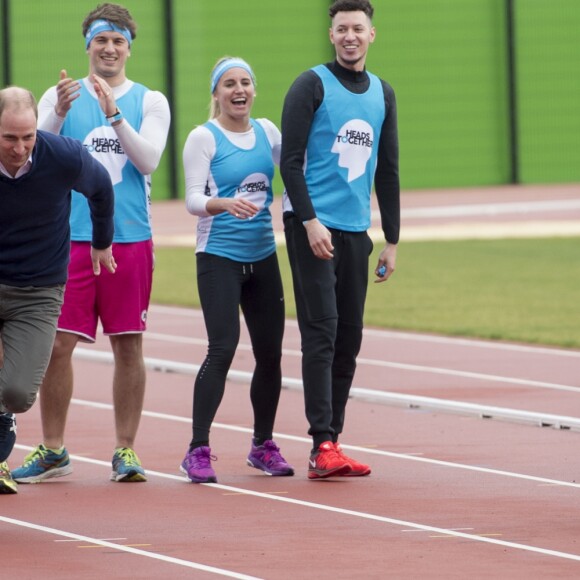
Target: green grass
{"type": "Point", "coordinates": [516, 290]}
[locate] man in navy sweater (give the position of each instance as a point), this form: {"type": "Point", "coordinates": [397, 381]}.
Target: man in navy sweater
{"type": "Point", "coordinates": [38, 170]}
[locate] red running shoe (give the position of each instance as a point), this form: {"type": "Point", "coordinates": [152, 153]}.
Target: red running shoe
{"type": "Point", "coordinates": [356, 469]}
{"type": "Point", "coordinates": [326, 462]}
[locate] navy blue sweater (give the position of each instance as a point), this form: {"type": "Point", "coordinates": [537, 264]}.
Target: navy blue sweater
{"type": "Point", "coordinates": [35, 210]}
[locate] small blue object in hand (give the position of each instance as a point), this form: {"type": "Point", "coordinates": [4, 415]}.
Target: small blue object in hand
{"type": "Point", "coordinates": [382, 271]}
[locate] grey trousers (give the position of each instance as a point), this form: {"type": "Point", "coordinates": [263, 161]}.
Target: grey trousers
{"type": "Point", "coordinates": [28, 321]}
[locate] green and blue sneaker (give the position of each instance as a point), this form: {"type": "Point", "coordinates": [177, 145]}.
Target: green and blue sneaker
{"type": "Point", "coordinates": [126, 466]}
{"type": "Point", "coordinates": [42, 463]}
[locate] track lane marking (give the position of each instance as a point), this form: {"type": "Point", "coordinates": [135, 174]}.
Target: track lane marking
{"type": "Point", "coordinates": [191, 369]}
{"type": "Point", "coordinates": [302, 503]}
{"type": "Point", "coordinates": [235, 491]}
{"type": "Point", "coordinates": [374, 395]}
{"type": "Point", "coordinates": [128, 549]}
{"type": "Point", "coordinates": [486, 209]}
{"type": "Point", "coordinates": [401, 335]}
{"type": "Point", "coordinates": [347, 447]}
{"type": "Point", "coordinates": [307, 441]}
{"type": "Point", "coordinates": [406, 525]}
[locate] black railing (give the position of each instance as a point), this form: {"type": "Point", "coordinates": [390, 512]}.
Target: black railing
{"type": "Point", "coordinates": [6, 70]}
{"type": "Point", "coordinates": [512, 93]}
{"type": "Point", "coordinates": [170, 93]}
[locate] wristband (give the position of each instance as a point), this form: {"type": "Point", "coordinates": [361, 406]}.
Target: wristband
{"type": "Point", "coordinates": [116, 116]}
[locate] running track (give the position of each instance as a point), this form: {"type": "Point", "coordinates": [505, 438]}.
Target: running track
{"type": "Point", "coordinates": [451, 495]}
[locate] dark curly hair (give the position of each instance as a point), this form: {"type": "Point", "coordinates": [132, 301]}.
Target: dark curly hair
{"type": "Point", "coordinates": [351, 6]}
{"type": "Point", "coordinates": [114, 13]}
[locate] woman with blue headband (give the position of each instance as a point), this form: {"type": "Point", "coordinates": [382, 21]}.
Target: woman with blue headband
{"type": "Point", "coordinates": [229, 166]}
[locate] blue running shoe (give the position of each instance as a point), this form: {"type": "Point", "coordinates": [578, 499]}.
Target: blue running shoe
{"type": "Point", "coordinates": [126, 466]}
{"type": "Point", "coordinates": [42, 463]}
{"type": "Point", "coordinates": [197, 465]}
{"type": "Point", "coordinates": [7, 483]}
{"type": "Point", "coordinates": [267, 457]}
{"type": "Point", "coordinates": [7, 435]}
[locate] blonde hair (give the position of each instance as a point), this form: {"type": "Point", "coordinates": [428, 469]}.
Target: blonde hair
{"type": "Point", "coordinates": [216, 73]}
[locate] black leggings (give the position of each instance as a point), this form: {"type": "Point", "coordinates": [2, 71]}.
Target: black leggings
{"type": "Point", "coordinates": [224, 285]}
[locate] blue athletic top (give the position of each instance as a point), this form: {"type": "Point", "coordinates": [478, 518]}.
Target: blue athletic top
{"type": "Point", "coordinates": [236, 172]}
{"type": "Point", "coordinates": [341, 156]}
{"type": "Point", "coordinates": [86, 122]}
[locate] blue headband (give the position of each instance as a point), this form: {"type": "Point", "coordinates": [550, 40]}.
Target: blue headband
{"type": "Point", "coordinates": [226, 65]}
{"type": "Point", "coordinates": [101, 25]}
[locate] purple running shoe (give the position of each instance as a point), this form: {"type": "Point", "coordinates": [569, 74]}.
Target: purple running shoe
{"type": "Point", "coordinates": [197, 465]}
{"type": "Point", "coordinates": [267, 457]}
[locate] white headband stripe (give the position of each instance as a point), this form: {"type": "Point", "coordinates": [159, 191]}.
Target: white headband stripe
{"type": "Point", "coordinates": [227, 65]}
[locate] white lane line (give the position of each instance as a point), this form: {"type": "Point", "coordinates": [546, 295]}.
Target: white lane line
{"type": "Point", "coordinates": [103, 539]}
{"type": "Point", "coordinates": [454, 231]}
{"type": "Point", "coordinates": [508, 230]}
{"type": "Point", "coordinates": [402, 523]}
{"type": "Point", "coordinates": [451, 532]}
{"type": "Point", "coordinates": [377, 363]}
{"type": "Point", "coordinates": [470, 343]}
{"type": "Point", "coordinates": [481, 411]}
{"type": "Point", "coordinates": [179, 339]}
{"type": "Point", "coordinates": [308, 441]}
{"type": "Point", "coordinates": [487, 209]}
{"type": "Point", "coordinates": [402, 335]}
{"type": "Point", "coordinates": [386, 397]}
{"type": "Point", "coordinates": [128, 549]}
{"type": "Point", "coordinates": [451, 529]}
{"type": "Point", "coordinates": [468, 374]}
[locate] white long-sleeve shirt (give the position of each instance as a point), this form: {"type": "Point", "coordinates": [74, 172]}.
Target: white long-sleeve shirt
{"type": "Point", "coordinates": [199, 150]}
{"type": "Point", "coordinates": [145, 147]}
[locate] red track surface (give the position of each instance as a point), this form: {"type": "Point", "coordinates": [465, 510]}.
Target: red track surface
{"type": "Point", "coordinates": [451, 495]}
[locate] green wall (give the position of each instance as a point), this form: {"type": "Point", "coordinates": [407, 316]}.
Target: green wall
{"type": "Point", "coordinates": [548, 76]}
{"type": "Point", "coordinates": [276, 49]}
{"type": "Point", "coordinates": [446, 60]}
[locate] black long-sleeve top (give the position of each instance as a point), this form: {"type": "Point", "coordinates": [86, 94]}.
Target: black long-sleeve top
{"type": "Point", "coordinates": [302, 100]}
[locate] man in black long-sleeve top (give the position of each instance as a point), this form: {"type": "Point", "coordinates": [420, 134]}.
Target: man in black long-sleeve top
{"type": "Point", "coordinates": [37, 172]}
{"type": "Point", "coordinates": [339, 134]}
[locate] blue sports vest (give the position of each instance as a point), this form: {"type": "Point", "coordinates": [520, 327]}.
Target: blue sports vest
{"type": "Point", "coordinates": [247, 173]}
{"type": "Point", "coordinates": [341, 156]}
{"type": "Point", "coordinates": [86, 122]}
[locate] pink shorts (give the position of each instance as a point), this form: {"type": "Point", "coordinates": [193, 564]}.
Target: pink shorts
{"type": "Point", "coordinates": [120, 300]}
